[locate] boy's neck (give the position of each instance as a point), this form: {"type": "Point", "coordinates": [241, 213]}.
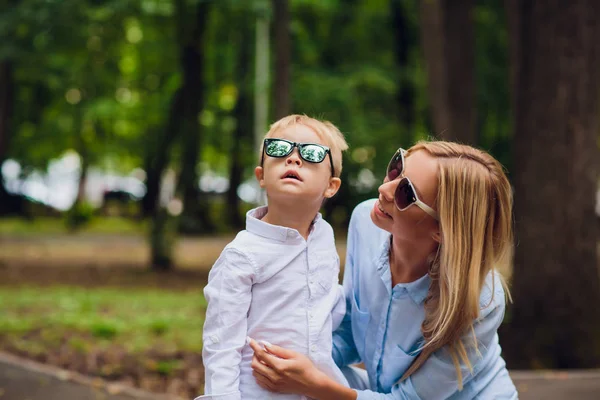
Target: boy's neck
{"type": "Point", "coordinates": [296, 218]}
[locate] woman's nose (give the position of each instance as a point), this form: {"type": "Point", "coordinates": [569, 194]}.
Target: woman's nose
{"type": "Point", "coordinates": [387, 189]}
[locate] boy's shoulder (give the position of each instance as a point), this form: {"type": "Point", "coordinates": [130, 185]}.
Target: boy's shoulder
{"type": "Point", "coordinates": [242, 241]}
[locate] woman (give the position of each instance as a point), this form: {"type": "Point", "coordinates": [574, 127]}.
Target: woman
{"type": "Point", "coordinates": [423, 300]}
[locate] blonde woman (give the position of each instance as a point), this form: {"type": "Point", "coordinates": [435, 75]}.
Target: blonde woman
{"type": "Point", "coordinates": [423, 299]}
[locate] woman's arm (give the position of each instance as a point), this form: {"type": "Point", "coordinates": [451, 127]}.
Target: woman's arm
{"type": "Point", "coordinates": [285, 371]}
{"type": "Point", "coordinates": [344, 350]}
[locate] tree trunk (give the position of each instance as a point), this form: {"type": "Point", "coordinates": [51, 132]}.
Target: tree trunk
{"type": "Point", "coordinates": [6, 105]}
{"type": "Point", "coordinates": [556, 316]}
{"type": "Point", "coordinates": [6, 109]}
{"type": "Point", "coordinates": [283, 54]}
{"type": "Point", "coordinates": [195, 206]}
{"type": "Point", "coordinates": [404, 41]}
{"type": "Point", "coordinates": [447, 41]}
{"type": "Point", "coordinates": [186, 107]}
{"type": "Point", "coordinates": [158, 157]}
{"type": "Point", "coordinates": [242, 151]}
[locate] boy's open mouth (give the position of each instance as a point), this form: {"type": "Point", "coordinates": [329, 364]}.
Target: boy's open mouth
{"type": "Point", "coordinates": [291, 174]}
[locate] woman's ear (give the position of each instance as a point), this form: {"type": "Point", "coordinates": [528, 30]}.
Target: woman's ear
{"type": "Point", "coordinates": [334, 186]}
{"type": "Point", "coordinates": [437, 236]}
{"type": "Point", "coordinates": [260, 176]}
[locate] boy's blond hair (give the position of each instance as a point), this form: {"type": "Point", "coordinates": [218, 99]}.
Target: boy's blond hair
{"type": "Point", "coordinates": [324, 129]}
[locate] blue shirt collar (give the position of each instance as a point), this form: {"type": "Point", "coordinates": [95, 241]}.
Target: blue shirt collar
{"type": "Point", "coordinates": [255, 225]}
{"type": "Point", "coordinates": [417, 290]}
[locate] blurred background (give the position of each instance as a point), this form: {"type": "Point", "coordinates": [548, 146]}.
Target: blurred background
{"type": "Point", "coordinates": [129, 133]}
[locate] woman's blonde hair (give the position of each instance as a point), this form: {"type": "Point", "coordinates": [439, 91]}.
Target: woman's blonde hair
{"type": "Point", "coordinates": [474, 203]}
{"type": "Point", "coordinates": [324, 129]}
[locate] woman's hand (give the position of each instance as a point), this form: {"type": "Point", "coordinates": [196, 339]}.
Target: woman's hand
{"type": "Point", "coordinates": [285, 371]}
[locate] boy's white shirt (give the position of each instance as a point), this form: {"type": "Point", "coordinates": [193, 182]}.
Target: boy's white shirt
{"type": "Point", "coordinates": [274, 286]}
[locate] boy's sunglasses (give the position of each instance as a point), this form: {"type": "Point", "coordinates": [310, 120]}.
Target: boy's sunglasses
{"type": "Point", "coordinates": [311, 152]}
{"type": "Point", "coordinates": [405, 195]}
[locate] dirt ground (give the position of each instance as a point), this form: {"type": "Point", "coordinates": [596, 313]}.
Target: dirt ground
{"type": "Point", "coordinates": [100, 260]}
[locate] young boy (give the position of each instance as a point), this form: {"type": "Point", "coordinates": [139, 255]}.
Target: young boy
{"type": "Point", "coordinates": [277, 281]}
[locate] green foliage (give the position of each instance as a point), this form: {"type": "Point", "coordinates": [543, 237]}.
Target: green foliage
{"type": "Point", "coordinates": [99, 77]}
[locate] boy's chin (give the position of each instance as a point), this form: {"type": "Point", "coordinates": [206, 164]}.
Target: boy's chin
{"type": "Point", "coordinates": [294, 197]}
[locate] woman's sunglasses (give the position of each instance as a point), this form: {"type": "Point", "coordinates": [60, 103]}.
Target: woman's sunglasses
{"type": "Point", "coordinates": [405, 195]}
{"type": "Point", "coordinates": [311, 152]}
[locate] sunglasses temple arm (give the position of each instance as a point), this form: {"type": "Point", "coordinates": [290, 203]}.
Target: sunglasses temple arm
{"type": "Point", "coordinates": [331, 163]}
{"type": "Point", "coordinates": [428, 210]}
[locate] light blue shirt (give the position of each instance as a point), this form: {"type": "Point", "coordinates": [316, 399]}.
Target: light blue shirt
{"type": "Point", "coordinates": [382, 328]}
{"type": "Point", "coordinates": [272, 285]}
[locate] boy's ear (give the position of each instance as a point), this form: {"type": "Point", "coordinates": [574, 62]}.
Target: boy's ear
{"type": "Point", "coordinates": [334, 186]}
{"type": "Point", "coordinates": [259, 173]}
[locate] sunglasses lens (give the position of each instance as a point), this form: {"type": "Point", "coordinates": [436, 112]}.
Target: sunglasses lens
{"type": "Point", "coordinates": [278, 148]}
{"type": "Point", "coordinates": [405, 195]}
{"type": "Point", "coordinates": [313, 153]}
{"type": "Point", "coordinates": [395, 167]}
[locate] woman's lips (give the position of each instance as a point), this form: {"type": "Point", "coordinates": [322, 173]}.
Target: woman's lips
{"type": "Point", "coordinates": [380, 211]}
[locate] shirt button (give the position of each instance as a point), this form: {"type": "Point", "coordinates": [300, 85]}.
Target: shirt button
{"type": "Point", "coordinates": [311, 315]}
{"type": "Point", "coordinates": [311, 282]}
{"type": "Point", "coordinates": [313, 348]}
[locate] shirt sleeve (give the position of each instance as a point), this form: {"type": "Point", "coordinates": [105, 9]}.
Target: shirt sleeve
{"type": "Point", "coordinates": [339, 309]}
{"type": "Point", "coordinates": [344, 350]}
{"type": "Point", "coordinates": [228, 294]}
{"type": "Point", "coordinates": [436, 378]}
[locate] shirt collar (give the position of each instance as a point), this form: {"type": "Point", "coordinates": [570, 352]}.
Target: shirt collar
{"type": "Point", "coordinates": [255, 225]}
{"type": "Point", "coordinates": [417, 290]}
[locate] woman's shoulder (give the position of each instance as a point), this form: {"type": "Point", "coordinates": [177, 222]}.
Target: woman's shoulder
{"type": "Point", "coordinates": [361, 214]}
{"type": "Point", "coordinates": [361, 223]}
{"type": "Point", "coordinates": [492, 293]}
{"type": "Point", "coordinates": [365, 239]}
{"type": "Point", "coordinates": [363, 209]}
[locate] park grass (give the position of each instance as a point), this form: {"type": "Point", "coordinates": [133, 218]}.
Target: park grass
{"type": "Point", "coordinates": [144, 337]}
{"type": "Point", "coordinates": [57, 226]}
{"type": "Point", "coordinates": [139, 319]}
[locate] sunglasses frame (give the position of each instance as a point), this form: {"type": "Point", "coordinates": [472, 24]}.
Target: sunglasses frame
{"type": "Point", "coordinates": [299, 146]}
{"type": "Point", "coordinates": [418, 202]}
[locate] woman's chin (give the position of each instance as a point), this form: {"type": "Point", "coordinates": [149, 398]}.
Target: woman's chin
{"type": "Point", "coordinates": [379, 221]}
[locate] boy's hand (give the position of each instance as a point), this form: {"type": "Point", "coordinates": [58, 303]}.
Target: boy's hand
{"type": "Point", "coordinates": [284, 371]}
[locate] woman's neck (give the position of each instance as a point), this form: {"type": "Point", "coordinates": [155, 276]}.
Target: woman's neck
{"type": "Point", "coordinates": [295, 218]}
{"type": "Point", "coordinates": [409, 261]}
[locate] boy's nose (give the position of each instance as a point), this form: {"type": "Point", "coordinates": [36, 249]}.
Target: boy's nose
{"type": "Point", "coordinates": [293, 159]}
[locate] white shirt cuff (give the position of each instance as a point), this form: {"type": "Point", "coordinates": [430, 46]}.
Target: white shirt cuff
{"type": "Point", "coordinates": [224, 396]}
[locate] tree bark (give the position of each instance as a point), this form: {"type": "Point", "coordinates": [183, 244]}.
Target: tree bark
{"type": "Point", "coordinates": [447, 41]}
{"type": "Point", "coordinates": [187, 104]}
{"type": "Point", "coordinates": [6, 105]}
{"type": "Point", "coordinates": [556, 287]}
{"type": "Point", "coordinates": [404, 41]}
{"type": "Point", "coordinates": [242, 149]}
{"type": "Point", "coordinates": [192, 58]}
{"type": "Point", "coordinates": [6, 109]}
{"type": "Point", "coordinates": [283, 54]}
{"type": "Point", "coordinates": [158, 156]}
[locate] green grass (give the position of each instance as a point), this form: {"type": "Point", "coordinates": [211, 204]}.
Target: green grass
{"type": "Point", "coordinates": [137, 319]}
{"type": "Point", "coordinates": [49, 225]}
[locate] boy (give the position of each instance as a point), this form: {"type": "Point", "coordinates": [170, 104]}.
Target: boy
{"type": "Point", "coordinates": [277, 281]}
